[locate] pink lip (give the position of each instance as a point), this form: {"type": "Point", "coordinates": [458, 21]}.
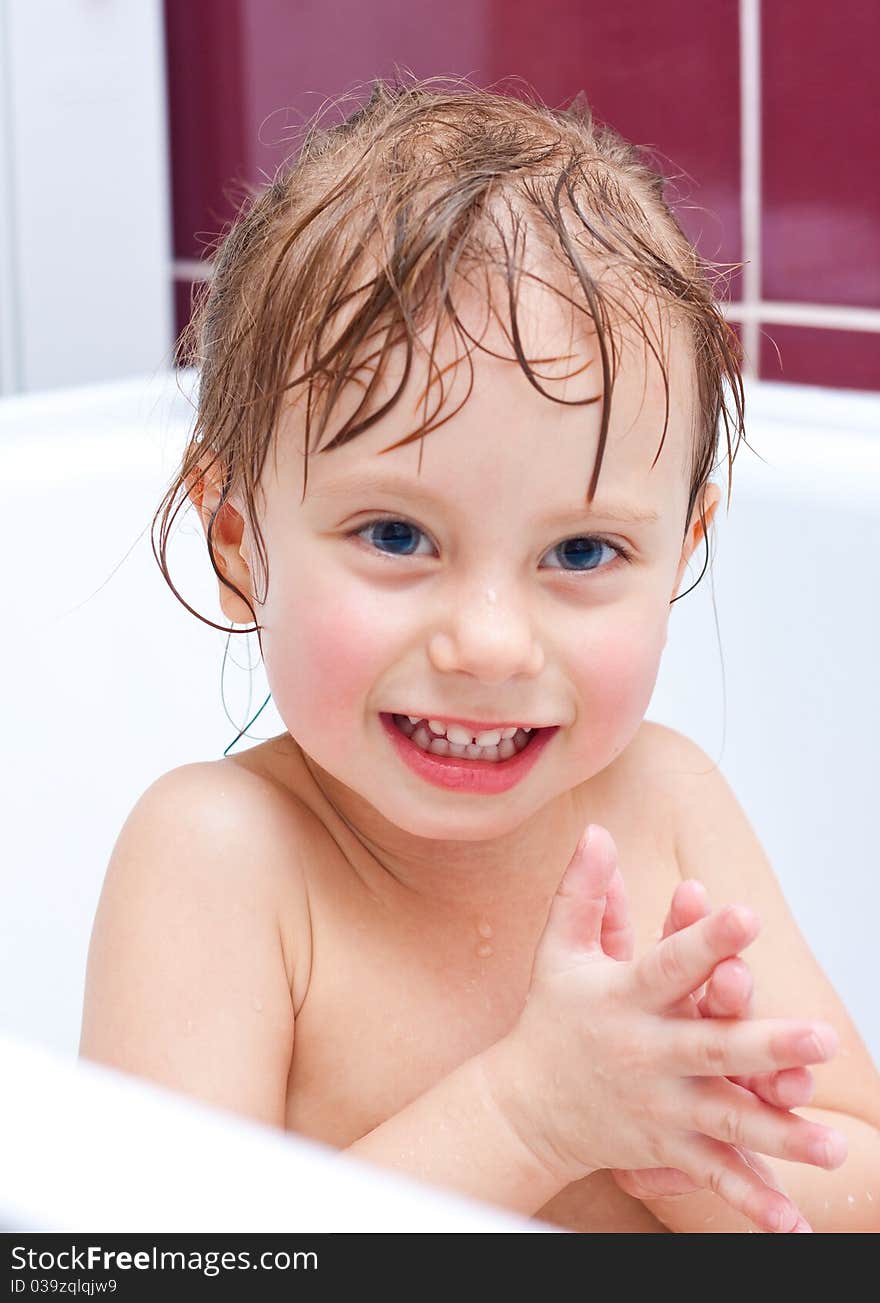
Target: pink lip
{"type": "Point", "coordinates": [482, 777]}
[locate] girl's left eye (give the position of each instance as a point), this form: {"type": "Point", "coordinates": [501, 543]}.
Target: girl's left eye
{"type": "Point", "coordinates": [396, 532]}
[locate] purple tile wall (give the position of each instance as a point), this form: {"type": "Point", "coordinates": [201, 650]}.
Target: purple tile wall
{"type": "Point", "coordinates": [244, 75]}
{"type": "Point", "coordinates": [295, 56]}
{"type": "Point", "coordinates": [650, 71]}
{"type": "Point", "coordinates": [844, 359]}
{"type": "Point", "coordinates": [206, 111]}
{"type": "Point", "coordinates": [820, 227]}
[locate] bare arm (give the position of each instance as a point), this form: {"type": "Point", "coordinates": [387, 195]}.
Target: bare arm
{"type": "Point", "coordinates": [455, 1135]}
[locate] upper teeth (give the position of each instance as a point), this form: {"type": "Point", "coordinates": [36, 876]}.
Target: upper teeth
{"type": "Point", "coordinates": [456, 734]}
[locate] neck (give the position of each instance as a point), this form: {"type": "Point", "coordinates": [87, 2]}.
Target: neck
{"type": "Point", "coordinates": [512, 875]}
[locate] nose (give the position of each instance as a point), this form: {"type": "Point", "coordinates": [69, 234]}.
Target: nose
{"type": "Point", "coordinates": [488, 637]}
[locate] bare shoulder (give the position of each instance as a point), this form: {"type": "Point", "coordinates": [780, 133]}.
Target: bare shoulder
{"type": "Point", "coordinates": [633, 798]}
{"type": "Point", "coordinates": [661, 754]}
{"type": "Point", "coordinates": [666, 769]}
{"type": "Point", "coordinates": [267, 835]}
{"type": "Point", "coordinates": [716, 844]}
{"type": "Point", "coordinates": [189, 978]}
{"type": "Point", "coordinates": [638, 787]}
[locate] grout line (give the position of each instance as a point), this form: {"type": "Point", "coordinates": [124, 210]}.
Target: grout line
{"type": "Point", "coordinates": [829, 316]}
{"type": "Point", "coordinates": [750, 175]}
{"type": "Point", "coordinates": [826, 316]}
{"type": "Point", "coordinates": [190, 269]}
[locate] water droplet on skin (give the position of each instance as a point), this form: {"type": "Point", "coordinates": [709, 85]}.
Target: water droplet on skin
{"type": "Point", "coordinates": [869, 1196]}
{"type": "Point", "coordinates": [850, 1199]}
{"type": "Point", "coordinates": [484, 950]}
{"type": "Point", "coordinates": [484, 929]}
{"type": "Point", "coordinates": [189, 1024]}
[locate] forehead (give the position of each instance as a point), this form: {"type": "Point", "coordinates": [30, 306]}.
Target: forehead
{"type": "Point", "coordinates": [495, 426]}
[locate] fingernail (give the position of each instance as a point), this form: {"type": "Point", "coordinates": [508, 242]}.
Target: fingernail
{"type": "Point", "coordinates": [811, 1046]}
{"type": "Point", "coordinates": [822, 1152]}
{"type": "Point", "coordinates": [829, 1039]}
{"type": "Point", "coordinates": [776, 1219]}
{"type": "Point", "coordinates": [831, 1151]}
{"type": "Point", "coordinates": [739, 918]}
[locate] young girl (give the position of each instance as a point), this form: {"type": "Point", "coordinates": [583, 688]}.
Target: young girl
{"type": "Point", "coordinates": [384, 929]}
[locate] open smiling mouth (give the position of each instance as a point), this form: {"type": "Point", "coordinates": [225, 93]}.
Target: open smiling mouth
{"type": "Point", "coordinates": [501, 745]}
{"type": "Point", "coordinates": [466, 766]}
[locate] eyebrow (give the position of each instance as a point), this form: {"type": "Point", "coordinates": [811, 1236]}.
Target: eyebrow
{"type": "Point", "coordinates": [622, 512]}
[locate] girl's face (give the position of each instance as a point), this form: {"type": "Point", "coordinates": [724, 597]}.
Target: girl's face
{"type": "Point", "coordinates": [496, 594]}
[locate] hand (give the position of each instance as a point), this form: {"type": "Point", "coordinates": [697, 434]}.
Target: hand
{"type": "Point", "coordinates": [729, 994]}
{"type": "Point", "coordinates": [603, 1039]}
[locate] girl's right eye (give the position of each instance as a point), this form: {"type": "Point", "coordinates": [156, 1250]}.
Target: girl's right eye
{"type": "Point", "coordinates": [392, 531]}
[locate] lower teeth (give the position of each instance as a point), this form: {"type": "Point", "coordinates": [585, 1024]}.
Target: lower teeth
{"type": "Point", "coordinates": [424, 739]}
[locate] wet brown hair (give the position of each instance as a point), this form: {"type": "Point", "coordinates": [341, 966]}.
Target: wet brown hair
{"type": "Point", "coordinates": [360, 242]}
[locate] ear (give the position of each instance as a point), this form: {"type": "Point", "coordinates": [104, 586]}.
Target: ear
{"type": "Point", "coordinates": [204, 486]}
{"type": "Point", "coordinates": [711, 496]}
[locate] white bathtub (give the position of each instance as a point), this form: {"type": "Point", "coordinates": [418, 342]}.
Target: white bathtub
{"type": "Point", "coordinates": [109, 682]}
{"type": "Point", "coordinates": [126, 1155]}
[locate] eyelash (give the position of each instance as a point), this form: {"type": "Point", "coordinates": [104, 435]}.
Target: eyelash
{"type": "Point", "coordinates": [623, 552]}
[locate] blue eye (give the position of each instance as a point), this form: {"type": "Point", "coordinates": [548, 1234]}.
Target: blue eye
{"type": "Point", "coordinates": [583, 551]}
{"type": "Point", "coordinates": [393, 532]}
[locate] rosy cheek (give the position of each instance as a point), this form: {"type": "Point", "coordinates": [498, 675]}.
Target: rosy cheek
{"type": "Point", "coordinates": [323, 653]}
{"type": "Point", "coordinates": [616, 677]}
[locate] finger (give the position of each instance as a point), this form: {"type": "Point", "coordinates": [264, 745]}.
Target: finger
{"type": "Point", "coordinates": [722, 1111]}
{"type": "Point", "coordinates": [676, 966]}
{"type": "Point", "coordinates": [771, 1179]}
{"type": "Point", "coordinates": [787, 1088]}
{"type": "Point", "coordinates": [578, 905]}
{"type": "Point", "coordinates": [654, 1182]}
{"type": "Point", "coordinates": [721, 1168]}
{"type": "Point", "coordinates": [618, 935]}
{"type": "Point", "coordinates": [766, 1173]}
{"type": "Point", "coordinates": [690, 903]}
{"type": "Point", "coordinates": [721, 1047]}
{"type": "Point", "coordinates": [757, 1164]}
{"type": "Point", "coordinates": [729, 991]}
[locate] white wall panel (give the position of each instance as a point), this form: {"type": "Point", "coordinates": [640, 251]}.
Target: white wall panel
{"type": "Point", "coordinates": [85, 233]}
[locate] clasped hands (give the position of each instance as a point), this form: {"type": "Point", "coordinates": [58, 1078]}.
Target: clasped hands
{"type": "Point", "coordinates": [728, 994]}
